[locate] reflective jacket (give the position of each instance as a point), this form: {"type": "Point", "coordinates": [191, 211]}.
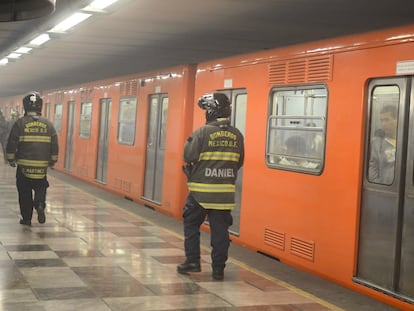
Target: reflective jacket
{"type": "Point", "coordinates": [214, 153]}
{"type": "Point", "coordinates": [33, 145]}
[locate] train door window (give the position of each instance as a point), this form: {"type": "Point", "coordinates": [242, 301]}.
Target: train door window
{"type": "Point", "coordinates": [85, 120]}
{"type": "Point", "coordinates": [238, 119]}
{"type": "Point", "coordinates": [102, 161]}
{"type": "Point", "coordinates": [163, 130]}
{"type": "Point", "coordinates": [47, 110]}
{"type": "Point", "coordinates": [58, 118]}
{"type": "Point", "coordinates": [127, 120]}
{"type": "Point", "coordinates": [155, 147]}
{"type": "Point", "coordinates": [70, 129]}
{"type": "Point", "coordinates": [383, 138]}
{"type": "Point", "coordinates": [296, 129]}
{"type": "Point", "coordinates": [239, 112]}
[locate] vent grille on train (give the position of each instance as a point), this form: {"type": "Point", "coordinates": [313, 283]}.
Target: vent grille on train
{"type": "Point", "coordinates": [129, 88]}
{"type": "Point", "coordinates": [274, 238]}
{"type": "Point", "coordinates": [301, 248]}
{"type": "Point", "coordinates": [315, 69]}
{"type": "Point", "coordinates": [86, 95]}
{"type": "Point", "coordinates": [59, 98]}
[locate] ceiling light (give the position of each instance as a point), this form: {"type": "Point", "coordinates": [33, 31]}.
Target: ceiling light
{"type": "Point", "coordinates": [23, 50]}
{"type": "Point", "coordinates": [99, 5]}
{"type": "Point", "coordinates": [4, 61]}
{"type": "Point", "coordinates": [14, 55]}
{"type": "Point", "coordinates": [71, 21]}
{"type": "Point", "coordinates": [39, 40]}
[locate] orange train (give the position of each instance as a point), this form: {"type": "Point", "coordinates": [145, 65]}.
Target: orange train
{"type": "Point", "coordinates": [311, 115]}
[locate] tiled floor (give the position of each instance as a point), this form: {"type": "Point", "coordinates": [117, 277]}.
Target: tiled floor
{"type": "Point", "coordinates": [93, 255]}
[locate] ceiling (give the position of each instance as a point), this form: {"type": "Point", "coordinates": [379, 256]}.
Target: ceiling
{"type": "Point", "coordinates": [141, 35]}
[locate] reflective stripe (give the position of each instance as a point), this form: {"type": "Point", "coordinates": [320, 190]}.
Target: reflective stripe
{"type": "Point", "coordinates": [218, 206]}
{"type": "Point", "coordinates": [35, 176]}
{"type": "Point", "coordinates": [33, 163]}
{"type": "Point", "coordinates": [35, 139]}
{"type": "Point", "coordinates": [54, 157]}
{"type": "Point", "coordinates": [217, 155]}
{"type": "Point", "coordinates": [199, 187]}
{"type": "Point", "coordinates": [10, 156]}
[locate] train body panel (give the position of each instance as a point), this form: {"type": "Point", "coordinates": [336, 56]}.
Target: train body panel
{"type": "Point", "coordinates": [129, 99]}
{"type": "Point", "coordinates": [311, 207]}
{"type": "Point", "coordinates": [309, 221]}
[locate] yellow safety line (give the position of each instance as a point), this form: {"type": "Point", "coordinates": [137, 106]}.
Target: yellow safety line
{"type": "Point", "coordinates": [287, 285]}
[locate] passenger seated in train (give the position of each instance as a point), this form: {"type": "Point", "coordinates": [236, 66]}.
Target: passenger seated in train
{"type": "Point", "coordinates": [295, 154]}
{"type": "Point", "coordinates": [314, 141]}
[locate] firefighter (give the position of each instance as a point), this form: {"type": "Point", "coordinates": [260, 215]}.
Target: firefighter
{"type": "Point", "coordinates": [33, 146]}
{"type": "Point", "coordinates": [213, 155]}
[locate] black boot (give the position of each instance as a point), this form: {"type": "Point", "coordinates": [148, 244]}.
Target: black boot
{"type": "Point", "coordinates": [40, 208]}
{"type": "Point", "coordinates": [189, 267]}
{"type": "Point", "coordinates": [25, 222]}
{"type": "Point", "coordinates": [218, 274]}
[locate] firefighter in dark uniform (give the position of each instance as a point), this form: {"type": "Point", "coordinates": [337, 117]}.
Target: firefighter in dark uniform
{"type": "Point", "coordinates": [33, 146]}
{"type": "Point", "coordinates": [213, 155]}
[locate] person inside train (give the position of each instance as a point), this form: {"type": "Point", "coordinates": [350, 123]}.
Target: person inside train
{"type": "Point", "coordinates": [383, 146]}
{"type": "Point", "coordinates": [296, 153]}
{"type": "Point", "coordinates": [314, 141]}
{"type": "Point", "coordinates": [213, 155]}
{"type": "Point", "coordinates": [33, 146]}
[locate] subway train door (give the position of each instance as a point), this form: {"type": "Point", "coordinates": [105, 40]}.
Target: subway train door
{"type": "Point", "coordinates": [69, 135]}
{"type": "Point", "coordinates": [103, 140]}
{"type": "Point", "coordinates": [238, 99]}
{"type": "Point", "coordinates": [386, 232]}
{"type": "Point", "coordinates": [156, 134]}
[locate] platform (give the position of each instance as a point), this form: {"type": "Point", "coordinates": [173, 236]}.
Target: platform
{"type": "Point", "coordinates": [100, 252]}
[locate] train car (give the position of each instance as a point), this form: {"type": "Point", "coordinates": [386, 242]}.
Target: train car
{"type": "Point", "coordinates": [126, 134]}
{"type": "Point", "coordinates": [315, 119]}
{"type": "Point", "coordinates": [310, 195]}
{"type": "Point", "coordinates": [12, 107]}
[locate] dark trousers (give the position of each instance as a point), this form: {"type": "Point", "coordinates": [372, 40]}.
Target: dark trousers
{"type": "Point", "coordinates": [220, 221]}
{"type": "Point", "coordinates": [26, 187]}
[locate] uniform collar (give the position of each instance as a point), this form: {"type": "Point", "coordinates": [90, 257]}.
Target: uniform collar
{"type": "Point", "coordinates": [32, 113]}
{"type": "Point", "coordinates": [220, 121]}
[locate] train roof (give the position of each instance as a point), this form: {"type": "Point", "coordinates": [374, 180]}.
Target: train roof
{"type": "Point", "coordinates": [136, 35]}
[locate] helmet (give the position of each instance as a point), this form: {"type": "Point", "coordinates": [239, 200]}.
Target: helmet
{"type": "Point", "coordinates": [32, 102]}
{"type": "Point", "coordinates": [217, 105]}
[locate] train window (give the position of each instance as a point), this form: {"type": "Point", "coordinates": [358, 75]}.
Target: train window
{"type": "Point", "coordinates": [163, 131]}
{"type": "Point", "coordinates": [239, 110]}
{"type": "Point", "coordinates": [85, 120]}
{"type": "Point", "coordinates": [383, 134]}
{"type": "Point", "coordinates": [296, 129]}
{"type": "Point", "coordinates": [126, 121]}
{"type": "Point", "coordinates": [47, 110]}
{"type": "Point", "coordinates": [58, 118]}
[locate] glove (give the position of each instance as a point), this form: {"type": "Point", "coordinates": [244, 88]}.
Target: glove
{"type": "Point", "coordinates": [12, 163]}
{"type": "Point", "coordinates": [187, 169]}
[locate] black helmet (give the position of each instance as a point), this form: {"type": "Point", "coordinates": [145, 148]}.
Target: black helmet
{"type": "Point", "coordinates": [217, 105]}
{"type": "Point", "coordinates": [33, 102]}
